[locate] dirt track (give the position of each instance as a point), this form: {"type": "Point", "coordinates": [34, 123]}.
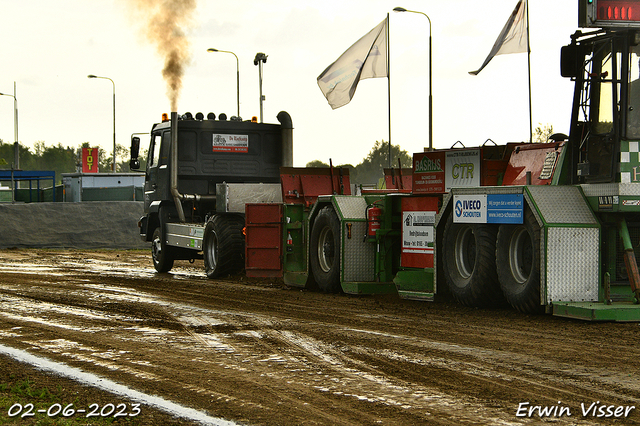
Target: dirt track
{"type": "Point", "coordinates": [256, 352]}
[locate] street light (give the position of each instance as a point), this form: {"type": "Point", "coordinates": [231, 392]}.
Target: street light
{"type": "Point", "coordinates": [16, 153]}
{"type": "Point", "coordinates": [237, 74]}
{"type": "Point", "coordinates": [259, 60]}
{"type": "Point", "coordinates": [402, 9]}
{"type": "Point", "coordinates": [114, 117]}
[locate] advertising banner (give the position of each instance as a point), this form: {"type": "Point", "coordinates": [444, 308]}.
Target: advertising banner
{"type": "Point", "coordinates": [463, 169]}
{"type": "Point", "coordinates": [89, 160]}
{"type": "Point", "coordinates": [418, 233]}
{"type": "Point", "coordinates": [428, 173]}
{"type": "Point", "coordinates": [230, 143]}
{"type": "Point", "coordinates": [488, 208]}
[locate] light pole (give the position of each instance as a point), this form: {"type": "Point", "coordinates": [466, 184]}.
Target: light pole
{"type": "Point", "coordinates": [237, 73]}
{"type": "Point", "coordinates": [114, 117]}
{"type": "Point", "coordinates": [16, 155]}
{"type": "Point", "coordinates": [259, 60]}
{"type": "Point", "coordinates": [402, 9]}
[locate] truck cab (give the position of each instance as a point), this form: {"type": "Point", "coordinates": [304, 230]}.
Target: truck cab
{"type": "Point", "coordinates": [191, 162]}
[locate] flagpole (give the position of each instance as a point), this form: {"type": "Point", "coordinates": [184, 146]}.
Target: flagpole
{"type": "Point", "coordinates": [388, 89]}
{"type": "Point", "coordinates": [529, 73]}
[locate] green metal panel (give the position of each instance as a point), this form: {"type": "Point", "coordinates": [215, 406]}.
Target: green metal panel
{"type": "Point", "coordinates": [415, 284]}
{"type": "Point", "coordinates": [121, 193]}
{"type": "Point", "coordinates": [368, 287]}
{"type": "Point", "coordinates": [295, 242]}
{"type": "Point", "coordinates": [365, 263]}
{"type": "Point", "coordinates": [596, 311]}
{"type": "Point", "coordinates": [629, 161]}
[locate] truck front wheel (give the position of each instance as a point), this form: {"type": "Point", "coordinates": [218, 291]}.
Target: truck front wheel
{"type": "Point", "coordinates": [469, 263]}
{"type": "Point", "coordinates": [518, 260]}
{"type": "Point", "coordinates": [223, 245]}
{"type": "Point", "coordinates": [325, 251]}
{"type": "Point", "coordinates": [161, 252]}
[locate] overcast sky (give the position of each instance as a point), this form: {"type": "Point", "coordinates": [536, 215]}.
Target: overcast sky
{"type": "Point", "coordinates": [49, 48]}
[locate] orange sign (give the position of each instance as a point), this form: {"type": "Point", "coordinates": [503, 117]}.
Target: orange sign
{"type": "Point", "coordinates": [89, 160]}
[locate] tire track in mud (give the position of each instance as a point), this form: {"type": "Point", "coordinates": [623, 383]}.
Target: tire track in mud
{"type": "Point", "coordinates": [256, 351]}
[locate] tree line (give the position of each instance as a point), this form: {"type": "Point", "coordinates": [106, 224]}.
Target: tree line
{"type": "Point", "coordinates": [61, 159]}
{"type": "Point", "coordinates": [371, 169]}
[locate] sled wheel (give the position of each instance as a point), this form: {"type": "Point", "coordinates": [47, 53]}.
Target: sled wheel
{"type": "Point", "coordinates": [518, 260]}
{"type": "Point", "coordinates": [223, 245]}
{"type": "Point", "coordinates": [325, 251]}
{"type": "Point", "coordinates": [469, 263]}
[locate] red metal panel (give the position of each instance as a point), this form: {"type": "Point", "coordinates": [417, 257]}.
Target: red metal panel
{"type": "Point", "coordinates": [304, 185]}
{"type": "Point", "coordinates": [492, 172]}
{"type": "Point", "coordinates": [263, 240]}
{"type": "Point", "coordinates": [399, 179]}
{"type": "Point", "coordinates": [529, 158]}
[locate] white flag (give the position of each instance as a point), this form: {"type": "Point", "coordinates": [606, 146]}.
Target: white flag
{"type": "Point", "coordinates": [367, 58]}
{"type": "Point", "coordinates": [513, 38]}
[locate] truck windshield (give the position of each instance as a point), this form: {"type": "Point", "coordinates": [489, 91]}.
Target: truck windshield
{"type": "Point", "coordinates": [602, 115]}
{"type": "Point", "coordinates": [633, 110]}
{"type": "Point", "coordinates": [154, 152]}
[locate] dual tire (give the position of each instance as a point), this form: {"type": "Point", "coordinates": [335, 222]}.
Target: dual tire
{"type": "Point", "coordinates": [223, 245]}
{"type": "Point", "coordinates": [518, 264]}
{"type": "Point", "coordinates": [488, 265]}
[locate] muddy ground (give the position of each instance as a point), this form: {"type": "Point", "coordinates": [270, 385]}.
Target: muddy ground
{"type": "Point", "coordinates": [256, 352]}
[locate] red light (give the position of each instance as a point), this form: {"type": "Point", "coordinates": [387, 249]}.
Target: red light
{"type": "Point", "coordinates": [618, 10]}
{"type": "Point", "coordinates": [610, 13]}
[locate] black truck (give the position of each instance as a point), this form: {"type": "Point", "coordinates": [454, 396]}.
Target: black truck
{"type": "Point", "coordinates": [200, 174]}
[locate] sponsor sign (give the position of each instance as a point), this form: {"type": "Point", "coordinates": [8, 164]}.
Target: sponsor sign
{"type": "Point", "coordinates": [463, 169]}
{"type": "Point", "coordinates": [230, 143]}
{"type": "Point", "coordinates": [418, 219]}
{"type": "Point", "coordinates": [417, 231]}
{"type": "Point", "coordinates": [488, 208]}
{"type": "Point", "coordinates": [428, 172]}
{"type": "Point", "coordinates": [89, 160]}
{"type": "Point", "coordinates": [470, 208]}
{"type": "Point", "coordinates": [505, 208]}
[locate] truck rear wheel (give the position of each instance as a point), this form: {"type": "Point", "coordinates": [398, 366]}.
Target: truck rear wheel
{"type": "Point", "coordinates": [161, 252]}
{"type": "Point", "coordinates": [223, 245]}
{"type": "Point", "coordinates": [518, 260]}
{"type": "Point", "coordinates": [469, 263]}
{"type": "Point", "coordinates": [325, 250]}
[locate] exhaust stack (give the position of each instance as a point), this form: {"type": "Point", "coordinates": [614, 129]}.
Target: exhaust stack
{"type": "Point", "coordinates": [287, 138]}
{"type": "Point", "coordinates": [177, 197]}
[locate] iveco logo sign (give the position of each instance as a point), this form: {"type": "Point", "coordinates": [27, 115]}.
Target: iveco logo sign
{"type": "Point", "coordinates": [471, 204]}
{"type": "Point", "coordinates": [470, 208]}
{"type": "Point", "coordinates": [463, 205]}
{"type": "Point", "coordinates": [458, 208]}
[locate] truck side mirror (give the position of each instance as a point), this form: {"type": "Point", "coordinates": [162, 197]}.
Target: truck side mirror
{"type": "Point", "coordinates": [134, 163]}
{"type": "Point", "coordinates": [569, 63]}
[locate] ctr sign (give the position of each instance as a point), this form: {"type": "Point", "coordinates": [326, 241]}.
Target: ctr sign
{"type": "Point", "coordinates": [89, 160]}
{"type": "Point", "coordinates": [439, 171]}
